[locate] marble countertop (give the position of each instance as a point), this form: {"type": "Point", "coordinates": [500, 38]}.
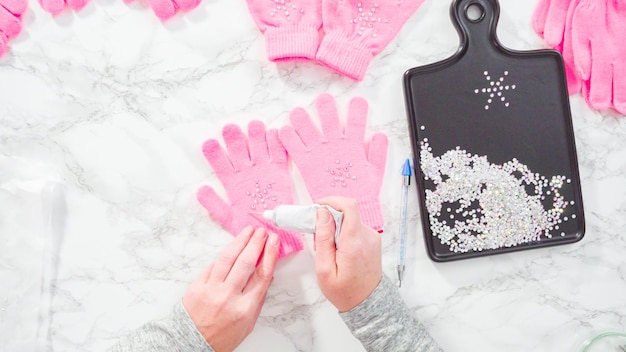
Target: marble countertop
{"type": "Point", "coordinates": [112, 106]}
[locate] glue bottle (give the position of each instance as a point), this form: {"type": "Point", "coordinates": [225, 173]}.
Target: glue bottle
{"type": "Point", "coordinates": [302, 218]}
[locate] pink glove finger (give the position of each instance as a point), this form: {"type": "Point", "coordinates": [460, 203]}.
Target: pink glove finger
{"type": "Point", "coordinates": [357, 119]}
{"type": "Point", "coordinates": [218, 159]}
{"type": "Point", "coordinates": [258, 142]}
{"type": "Point", "coordinates": [16, 7]}
{"type": "Point", "coordinates": [235, 141]}
{"type": "Point", "coordinates": [77, 5]}
{"type": "Point", "coordinates": [619, 87]}
{"type": "Point", "coordinates": [555, 22]}
{"type": "Point", "coordinates": [187, 5]}
{"type": "Point", "coordinates": [292, 141]}
{"type": "Point", "coordinates": [581, 40]}
{"type": "Point", "coordinates": [52, 6]}
{"type": "Point", "coordinates": [9, 24]}
{"type": "Point", "coordinates": [329, 117]}
{"type": "Point", "coordinates": [377, 153]}
{"type": "Point", "coordinates": [218, 209]}
{"type": "Point", "coordinates": [600, 85]}
{"type": "Point", "coordinates": [277, 151]}
{"type": "Point", "coordinates": [539, 16]}
{"type": "Point", "coordinates": [164, 9]}
{"type": "Point", "coordinates": [309, 134]}
{"type": "Point", "coordinates": [574, 83]}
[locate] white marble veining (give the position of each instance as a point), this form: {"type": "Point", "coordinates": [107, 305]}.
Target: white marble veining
{"type": "Point", "coordinates": [113, 106]}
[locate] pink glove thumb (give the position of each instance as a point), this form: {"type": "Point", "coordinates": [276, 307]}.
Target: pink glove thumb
{"type": "Point", "coordinates": [587, 23]}
{"type": "Point", "coordinates": [555, 22]}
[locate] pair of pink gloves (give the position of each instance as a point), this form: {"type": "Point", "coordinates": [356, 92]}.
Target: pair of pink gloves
{"type": "Point", "coordinates": [591, 35]}
{"type": "Point", "coordinates": [352, 31]}
{"type": "Point", "coordinates": [337, 161]}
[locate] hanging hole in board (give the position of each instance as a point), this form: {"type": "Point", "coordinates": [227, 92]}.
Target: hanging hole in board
{"type": "Point", "coordinates": [475, 12]}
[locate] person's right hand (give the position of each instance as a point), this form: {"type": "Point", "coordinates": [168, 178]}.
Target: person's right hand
{"type": "Point", "coordinates": [349, 272]}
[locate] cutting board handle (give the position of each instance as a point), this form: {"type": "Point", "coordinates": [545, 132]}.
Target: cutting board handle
{"type": "Point", "coordinates": [476, 21]}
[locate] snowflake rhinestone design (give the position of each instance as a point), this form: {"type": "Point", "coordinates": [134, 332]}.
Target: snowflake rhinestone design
{"type": "Point", "coordinates": [496, 89]}
{"type": "Point", "coordinates": [367, 19]}
{"type": "Point", "coordinates": [261, 195]}
{"type": "Point", "coordinates": [340, 175]}
{"type": "Point", "coordinates": [475, 205]}
{"type": "Point", "coordinates": [285, 7]}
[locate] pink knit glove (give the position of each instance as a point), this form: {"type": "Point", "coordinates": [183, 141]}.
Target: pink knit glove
{"type": "Point", "coordinates": [336, 162]}
{"type": "Point", "coordinates": [56, 6]}
{"type": "Point", "coordinates": [552, 20]}
{"type": "Point", "coordinates": [290, 27]}
{"type": "Point", "coordinates": [598, 38]}
{"type": "Point", "coordinates": [255, 175]}
{"type": "Point", "coordinates": [357, 30]}
{"type": "Point", "coordinates": [166, 9]}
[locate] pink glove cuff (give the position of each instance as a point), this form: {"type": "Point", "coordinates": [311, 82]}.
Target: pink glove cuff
{"type": "Point", "coordinates": [371, 212]}
{"type": "Point", "coordinates": [291, 42]}
{"type": "Point", "coordinates": [289, 243]}
{"type": "Point", "coordinates": [347, 56]}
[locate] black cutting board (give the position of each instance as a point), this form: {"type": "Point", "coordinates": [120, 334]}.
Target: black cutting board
{"type": "Point", "coordinates": [490, 129]}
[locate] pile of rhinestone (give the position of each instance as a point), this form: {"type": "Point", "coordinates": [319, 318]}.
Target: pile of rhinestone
{"type": "Point", "coordinates": [476, 205]}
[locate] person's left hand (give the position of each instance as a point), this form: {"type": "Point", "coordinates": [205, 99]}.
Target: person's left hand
{"type": "Point", "coordinates": [225, 301]}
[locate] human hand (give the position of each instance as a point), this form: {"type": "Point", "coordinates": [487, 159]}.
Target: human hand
{"type": "Point", "coordinates": [350, 271]}
{"type": "Point", "coordinates": [225, 301]}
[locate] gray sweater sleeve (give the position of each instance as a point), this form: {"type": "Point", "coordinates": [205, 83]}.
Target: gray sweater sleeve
{"type": "Point", "coordinates": [383, 323]}
{"type": "Point", "coordinates": [176, 332]}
